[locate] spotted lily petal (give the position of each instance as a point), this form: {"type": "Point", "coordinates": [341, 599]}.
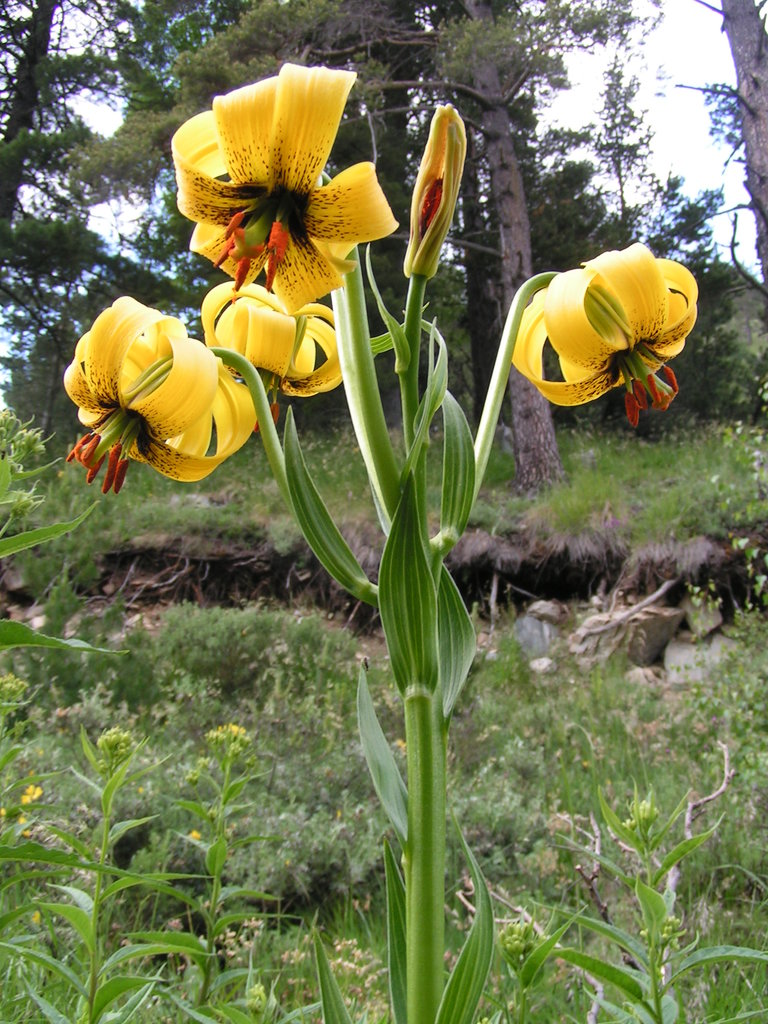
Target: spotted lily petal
{"type": "Point", "coordinates": [351, 208]}
{"type": "Point", "coordinates": [634, 277]}
{"type": "Point", "coordinates": [308, 110]}
{"type": "Point", "coordinates": [244, 129]}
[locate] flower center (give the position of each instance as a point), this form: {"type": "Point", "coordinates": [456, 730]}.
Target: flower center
{"type": "Point", "coordinates": [262, 235]}
{"type": "Point", "coordinates": [118, 430]}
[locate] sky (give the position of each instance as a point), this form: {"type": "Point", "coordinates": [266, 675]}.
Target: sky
{"type": "Point", "coordinates": [687, 49]}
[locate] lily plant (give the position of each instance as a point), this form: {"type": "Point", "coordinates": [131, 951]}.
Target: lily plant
{"type": "Point", "coordinates": [250, 174]}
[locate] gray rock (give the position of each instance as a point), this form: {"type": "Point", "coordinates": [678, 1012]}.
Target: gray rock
{"type": "Point", "coordinates": [693, 662]}
{"type": "Point", "coordinates": [548, 611]}
{"type": "Point", "coordinates": [650, 632]}
{"type": "Point", "coordinates": [534, 636]}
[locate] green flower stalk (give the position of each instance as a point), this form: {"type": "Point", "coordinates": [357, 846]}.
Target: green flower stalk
{"type": "Point", "coordinates": [436, 191]}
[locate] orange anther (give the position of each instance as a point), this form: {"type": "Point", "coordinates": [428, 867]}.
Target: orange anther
{"type": "Point", "coordinates": [430, 205]}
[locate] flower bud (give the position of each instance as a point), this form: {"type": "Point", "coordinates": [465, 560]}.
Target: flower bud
{"type": "Point", "coordinates": [436, 191]}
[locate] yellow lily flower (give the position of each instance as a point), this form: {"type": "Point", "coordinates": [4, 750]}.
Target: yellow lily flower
{"type": "Point", "coordinates": [148, 392]}
{"type": "Point", "coordinates": [296, 352]}
{"type": "Point", "coordinates": [615, 321]}
{"type": "Point", "coordinates": [248, 172]}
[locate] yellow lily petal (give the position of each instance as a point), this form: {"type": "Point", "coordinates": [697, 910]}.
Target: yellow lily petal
{"type": "Point", "coordinates": [684, 294]}
{"type": "Point", "coordinates": [308, 110]}
{"type": "Point", "coordinates": [104, 347]}
{"type": "Point", "coordinates": [183, 457]}
{"type": "Point", "coordinates": [244, 129]}
{"type": "Point", "coordinates": [199, 163]}
{"type": "Point", "coordinates": [187, 392]}
{"type": "Point", "coordinates": [327, 376]}
{"type": "Point", "coordinates": [569, 328]}
{"type": "Point", "coordinates": [304, 274]}
{"type": "Point", "coordinates": [633, 276]}
{"type": "Point", "coordinates": [528, 359]}
{"type": "Point", "coordinates": [264, 336]}
{"type": "Point", "coordinates": [351, 208]}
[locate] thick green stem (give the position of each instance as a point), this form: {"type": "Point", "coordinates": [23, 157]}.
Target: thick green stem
{"type": "Point", "coordinates": [267, 428]}
{"type": "Point", "coordinates": [498, 386]}
{"type": "Point", "coordinates": [424, 857]}
{"type": "Point", "coordinates": [409, 380]}
{"type": "Point", "coordinates": [362, 390]}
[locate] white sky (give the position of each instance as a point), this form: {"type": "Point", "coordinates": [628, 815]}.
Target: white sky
{"type": "Point", "coordinates": [687, 49]}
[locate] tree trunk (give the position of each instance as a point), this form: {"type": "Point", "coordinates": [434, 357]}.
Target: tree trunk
{"type": "Point", "coordinates": [749, 45]}
{"type": "Point", "coordinates": [537, 460]}
{"type": "Point", "coordinates": [32, 49]}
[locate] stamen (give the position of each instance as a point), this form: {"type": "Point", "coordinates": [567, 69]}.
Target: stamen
{"type": "Point", "coordinates": [653, 389]}
{"type": "Point", "coordinates": [632, 408]}
{"type": "Point", "coordinates": [277, 245]}
{"type": "Point", "coordinates": [93, 471]}
{"type": "Point", "coordinates": [243, 266]}
{"type": "Point", "coordinates": [430, 205]}
{"type": "Point", "coordinates": [640, 397]}
{"type": "Point", "coordinates": [235, 223]}
{"type": "Point", "coordinates": [671, 378]}
{"type": "Point", "coordinates": [109, 477]}
{"type": "Point", "coordinates": [122, 469]}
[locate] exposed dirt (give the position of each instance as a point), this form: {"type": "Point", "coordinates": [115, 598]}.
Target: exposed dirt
{"type": "Point", "coordinates": [490, 570]}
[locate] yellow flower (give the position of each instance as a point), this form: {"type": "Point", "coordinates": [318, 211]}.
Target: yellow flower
{"type": "Point", "coordinates": [194, 834]}
{"type": "Point", "coordinates": [248, 173]}
{"type": "Point", "coordinates": [31, 793]}
{"type": "Point", "coordinates": [296, 352]}
{"type": "Point", "coordinates": [436, 191]}
{"type": "Point", "coordinates": [615, 321]}
{"type": "Point", "coordinates": [148, 392]}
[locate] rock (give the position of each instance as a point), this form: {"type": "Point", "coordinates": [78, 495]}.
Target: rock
{"type": "Point", "coordinates": [686, 662]}
{"type": "Point", "coordinates": [553, 612]}
{"type": "Point", "coordinates": [650, 631]}
{"type": "Point", "coordinates": [541, 666]}
{"type": "Point", "coordinates": [534, 635]}
{"type": "Point", "coordinates": [703, 617]}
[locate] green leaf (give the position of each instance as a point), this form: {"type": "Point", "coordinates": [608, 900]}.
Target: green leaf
{"type": "Point", "coordinates": [408, 597]}
{"type": "Point", "coordinates": [78, 918]}
{"type": "Point", "coordinates": [216, 857]}
{"type": "Point", "coordinates": [17, 634]}
{"type": "Point", "coordinates": [456, 641]}
{"type": "Point", "coordinates": [121, 827]}
{"type": "Point", "coordinates": [396, 944]}
{"type": "Point", "coordinates": [465, 985]}
{"type": "Point", "coordinates": [40, 854]}
{"type": "Point", "coordinates": [50, 1011]}
{"type": "Point", "coordinates": [623, 978]}
{"type": "Point", "coordinates": [717, 955]}
{"type": "Point", "coordinates": [5, 474]}
{"type": "Point", "coordinates": [682, 849]}
{"type": "Point", "coordinates": [158, 944]}
{"type": "Point", "coordinates": [458, 487]}
{"type": "Point", "coordinates": [334, 1010]}
{"type": "Point", "coordinates": [318, 527]}
{"type": "Point", "coordinates": [387, 780]}
{"type": "Point", "coordinates": [395, 331]}
{"type": "Point", "coordinates": [434, 393]}
{"type": "Point", "coordinates": [44, 960]}
{"type": "Point", "coordinates": [234, 789]}
{"type": "Point", "coordinates": [535, 961]}
{"type": "Point", "coordinates": [31, 538]}
{"type": "Point", "coordinates": [622, 939]}
{"type": "Point", "coordinates": [114, 988]}
{"type": "Point", "coordinates": [194, 807]}
{"type": "Point", "coordinates": [619, 829]}
{"type": "Point", "coordinates": [653, 906]}
{"type": "Point", "coordinates": [231, 1013]}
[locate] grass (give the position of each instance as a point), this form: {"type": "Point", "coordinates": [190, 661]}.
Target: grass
{"type": "Point", "coordinates": [528, 752]}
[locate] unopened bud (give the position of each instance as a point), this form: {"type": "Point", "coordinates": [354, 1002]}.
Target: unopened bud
{"type": "Point", "coordinates": [436, 191]}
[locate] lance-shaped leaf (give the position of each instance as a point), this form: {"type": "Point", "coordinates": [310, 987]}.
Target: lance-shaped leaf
{"type": "Point", "coordinates": [318, 527]}
{"type": "Point", "coordinates": [334, 1010]}
{"type": "Point", "coordinates": [467, 981]}
{"type": "Point", "coordinates": [17, 634]}
{"type": "Point", "coordinates": [682, 849]}
{"type": "Point", "coordinates": [434, 393]}
{"type": "Point", "coordinates": [396, 945]}
{"type": "Point", "coordinates": [408, 597]}
{"type": "Point", "coordinates": [716, 955]}
{"type": "Point", "coordinates": [395, 332]}
{"type": "Point", "coordinates": [457, 642]}
{"type": "Point", "coordinates": [31, 538]}
{"type": "Point", "coordinates": [387, 780]}
{"type": "Point", "coordinates": [458, 487]}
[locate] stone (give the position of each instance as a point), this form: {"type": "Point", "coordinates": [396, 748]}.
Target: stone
{"type": "Point", "coordinates": [548, 611]}
{"type": "Point", "coordinates": [541, 666]}
{"type": "Point", "coordinates": [703, 617]}
{"type": "Point", "coordinates": [534, 636]}
{"type": "Point", "coordinates": [650, 631]}
{"type": "Point", "coordinates": [686, 662]}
